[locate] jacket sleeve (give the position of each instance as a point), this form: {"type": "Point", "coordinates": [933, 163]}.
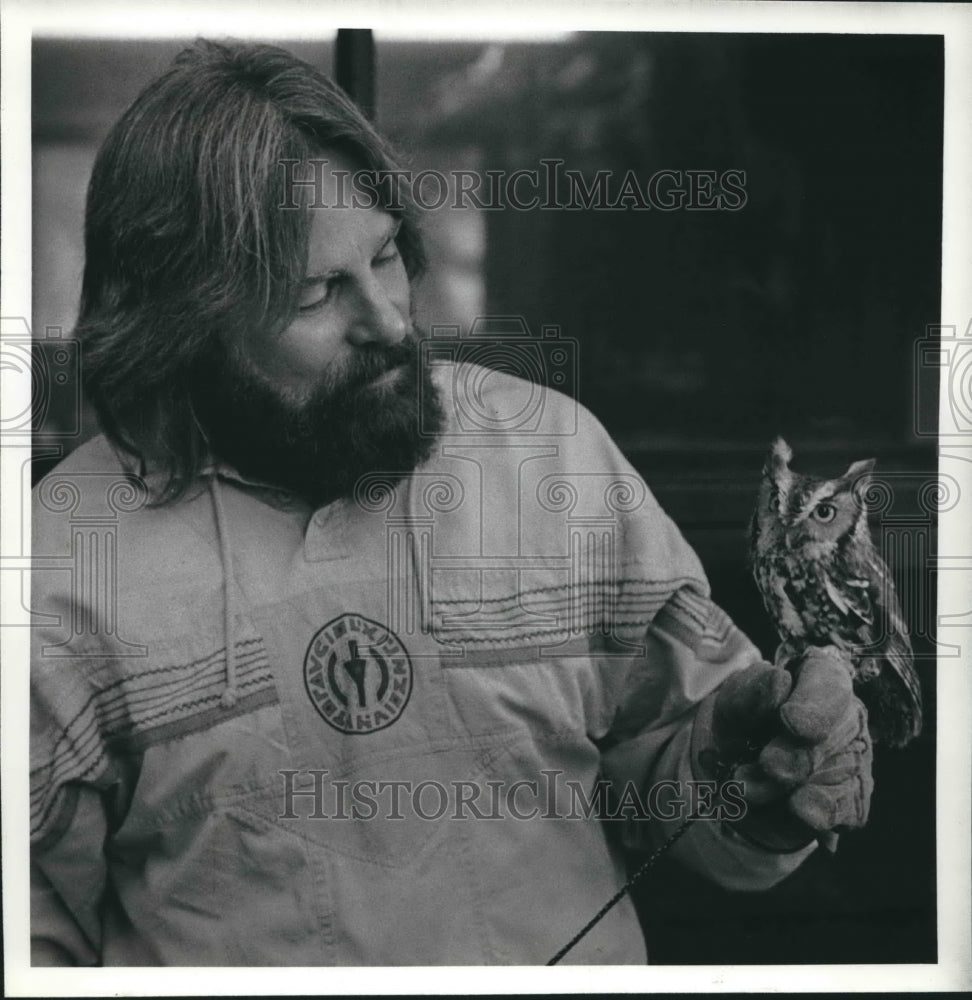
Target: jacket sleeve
{"type": "Point", "coordinates": [71, 769]}
{"type": "Point", "coordinates": [657, 704]}
{"type": "Point", "coordinates": [71, 772]}
{"type": "Point", "coordinates": [661, 761]}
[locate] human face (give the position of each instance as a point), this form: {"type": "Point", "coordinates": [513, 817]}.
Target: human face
{"type": "Point", "coordinates": [382, 417]}
{"type": "Point", "coordinates": [355, 293]}
{"type": "Point", "coordinates": [340, 393]}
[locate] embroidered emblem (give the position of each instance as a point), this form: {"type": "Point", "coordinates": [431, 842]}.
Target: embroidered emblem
{"type": "Point", "coordinates": [358, 674]}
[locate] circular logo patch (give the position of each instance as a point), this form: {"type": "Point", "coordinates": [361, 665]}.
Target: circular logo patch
{"type": "Point", "coordinates": [358, 674]}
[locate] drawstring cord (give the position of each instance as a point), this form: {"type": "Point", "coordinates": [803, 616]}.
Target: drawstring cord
{"type": "Point", "coordinates": [230, 694]}
{"type": "Point", "coordinates": [625, 889]}
{"type": "Point", "coordinates": [723, 770]}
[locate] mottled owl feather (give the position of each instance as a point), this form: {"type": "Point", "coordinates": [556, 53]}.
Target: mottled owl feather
{"type": "Point", "coordinates": [824, 584]}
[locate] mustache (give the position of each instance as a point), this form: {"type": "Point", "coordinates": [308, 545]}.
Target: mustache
{"type": "Point", "coordinates": [370, 361]}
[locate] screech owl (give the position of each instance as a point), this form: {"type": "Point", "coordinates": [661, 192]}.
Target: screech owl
{"type": "Point", "coordinates": [824, 584]}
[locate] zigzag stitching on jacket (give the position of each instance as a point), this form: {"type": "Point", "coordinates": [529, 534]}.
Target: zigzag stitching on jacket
{"type": "Point", "coordinates": [680, 622]}
{"type": "Point", "coordinates": [696, 608]}
{"type": "Point", "coordinates": [100, 719]}
{"type": "Point", "coordinates": [684, 616]}
{"type": "Point", "coordinates": [146, 696]}
{"type": "Point", "coordinates": [207, 660]}
{"type": "Point", "coordinates": [46, 797]}
{"type": "Point", "coordinates": [47, 792]}
{"type": "Point", "coordinates": [61, 768]}
{"type": "Point", "coordinates": [453, 637]}
{"type": "Point", "coordinates": [697, 612]}
{"type": "Point", "coordinates": [206, 699]}
{"type": "Point", "coordinates": [693, 610]}
{"type": "Point", "coordinates": [115, 725]}
{"type": "Point", "coordinates": [579, 596]}
{"type": "Point", "coordinates": [718, 625]}
{"type": "Point", "coordinates": [578, 601]}
{"type": "Point", "coordinates": [581, 618]}
{"type": "Point", "coordinates": [104, 705]}
{"type": "Point", "coordinates": [667, 585]}
{"type": "Point", "coordinates": [57, 824]}
{"type": "Point", "coordinates": [170, 667]}
{"type": "Point", "coordinates": [584, 595]}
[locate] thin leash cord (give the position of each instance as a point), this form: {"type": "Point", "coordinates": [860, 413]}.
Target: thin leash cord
{"type": "Point", "coordinates": [722, 769]}
{"type": "Point", "coordinates": [623, 891]}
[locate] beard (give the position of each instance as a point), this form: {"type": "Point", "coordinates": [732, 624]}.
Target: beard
{"type": "Point", "coordinates": [348, 427]}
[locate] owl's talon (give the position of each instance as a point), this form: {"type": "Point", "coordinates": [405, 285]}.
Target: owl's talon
{"type": "Point", "coordinates": [835, 652]}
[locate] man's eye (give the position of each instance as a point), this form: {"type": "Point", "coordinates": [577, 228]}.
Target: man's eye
{"type": "Point", "coordinates": [387, 253]}
{"type": "Point", "coordinates": [314, 298]}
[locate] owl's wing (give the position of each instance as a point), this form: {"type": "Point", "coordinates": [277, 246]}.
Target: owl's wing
{"type": "Point", "coordinates": [853, 600]}
{"type": "Point", "coordinates": [894, 698]}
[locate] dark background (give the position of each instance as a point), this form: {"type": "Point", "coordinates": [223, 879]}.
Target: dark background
{"type": "Point", "coordinates": [699, 335]}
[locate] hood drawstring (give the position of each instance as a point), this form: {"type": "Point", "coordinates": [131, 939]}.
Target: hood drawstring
{"type": "Point", "coordinates": [230, 694]}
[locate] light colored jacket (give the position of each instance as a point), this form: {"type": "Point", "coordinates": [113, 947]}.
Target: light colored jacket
{"type": "Point", "coordinates": [486, 638]}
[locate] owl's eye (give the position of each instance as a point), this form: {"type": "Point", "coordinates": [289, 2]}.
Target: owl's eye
{"type": "Point", "coordinates": [825, 512]}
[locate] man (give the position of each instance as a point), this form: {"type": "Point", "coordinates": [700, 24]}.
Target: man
{"type": "Point", "coordinates": [358, 631]}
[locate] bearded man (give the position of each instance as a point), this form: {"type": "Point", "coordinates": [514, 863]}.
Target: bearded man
{"type": "Point", "coordinates": [357, 630]}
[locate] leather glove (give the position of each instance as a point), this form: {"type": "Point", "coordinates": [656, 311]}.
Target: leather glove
{"type": "Point", "coordinates": [799, 744]}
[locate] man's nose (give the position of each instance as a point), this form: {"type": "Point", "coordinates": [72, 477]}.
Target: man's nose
{"type": "Point", "coordinates": [379, 317]}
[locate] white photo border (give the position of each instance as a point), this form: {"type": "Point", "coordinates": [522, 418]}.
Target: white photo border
{"type": "Point", "coordinates": [488, 19]}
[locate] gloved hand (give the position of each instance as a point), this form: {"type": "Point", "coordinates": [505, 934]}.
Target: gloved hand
{"type": "Point", "coordinates": [799, 744]}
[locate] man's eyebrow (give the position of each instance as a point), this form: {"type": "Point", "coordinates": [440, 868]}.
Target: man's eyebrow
{"type": "Point", "coordinates": [318, 279]}
{"type": "Point", "coordinates": [388, 233]}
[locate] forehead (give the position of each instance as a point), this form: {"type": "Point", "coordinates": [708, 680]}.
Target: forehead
{"type": "Point", "coordinates": [343, 232]}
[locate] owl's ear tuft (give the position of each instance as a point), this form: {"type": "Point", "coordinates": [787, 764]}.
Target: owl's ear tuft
{"type": "Point", "coordinates": [781, 452]}
{"type": "Point", "coordinates": [860, 470]}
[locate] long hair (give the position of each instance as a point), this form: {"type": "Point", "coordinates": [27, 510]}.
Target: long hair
{"type": "Point", "coordinates": [186, 243]}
